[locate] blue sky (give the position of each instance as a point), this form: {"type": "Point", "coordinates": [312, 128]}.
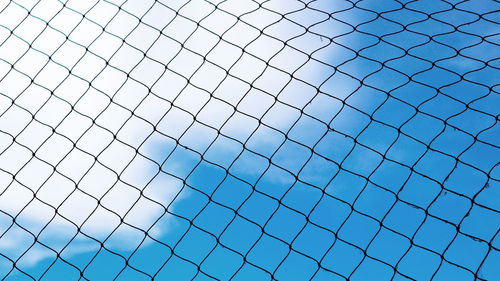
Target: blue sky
{"type": "Point", "coordinates": [347, 169]}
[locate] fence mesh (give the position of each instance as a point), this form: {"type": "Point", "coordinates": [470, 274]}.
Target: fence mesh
{"type": "Point", "coordinates": [249, 140]}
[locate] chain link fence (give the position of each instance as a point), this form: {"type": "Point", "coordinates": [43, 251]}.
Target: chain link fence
{"type": "Point", "coordinates": [249, 140]}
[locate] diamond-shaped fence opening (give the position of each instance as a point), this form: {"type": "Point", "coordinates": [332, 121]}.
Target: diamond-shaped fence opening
{"type": "Point", "coordinates": [249, 140]}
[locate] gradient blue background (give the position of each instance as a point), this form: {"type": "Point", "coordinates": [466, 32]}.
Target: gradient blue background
{"type": "Point", "coordinates": [368, 189]}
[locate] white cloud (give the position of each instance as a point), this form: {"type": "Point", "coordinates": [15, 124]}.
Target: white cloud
{"type": "Point", "coordinates": [59, 99]}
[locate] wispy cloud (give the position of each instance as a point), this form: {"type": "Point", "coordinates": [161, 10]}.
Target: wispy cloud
{"type": "Point", "coordinates": [82, 86]}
